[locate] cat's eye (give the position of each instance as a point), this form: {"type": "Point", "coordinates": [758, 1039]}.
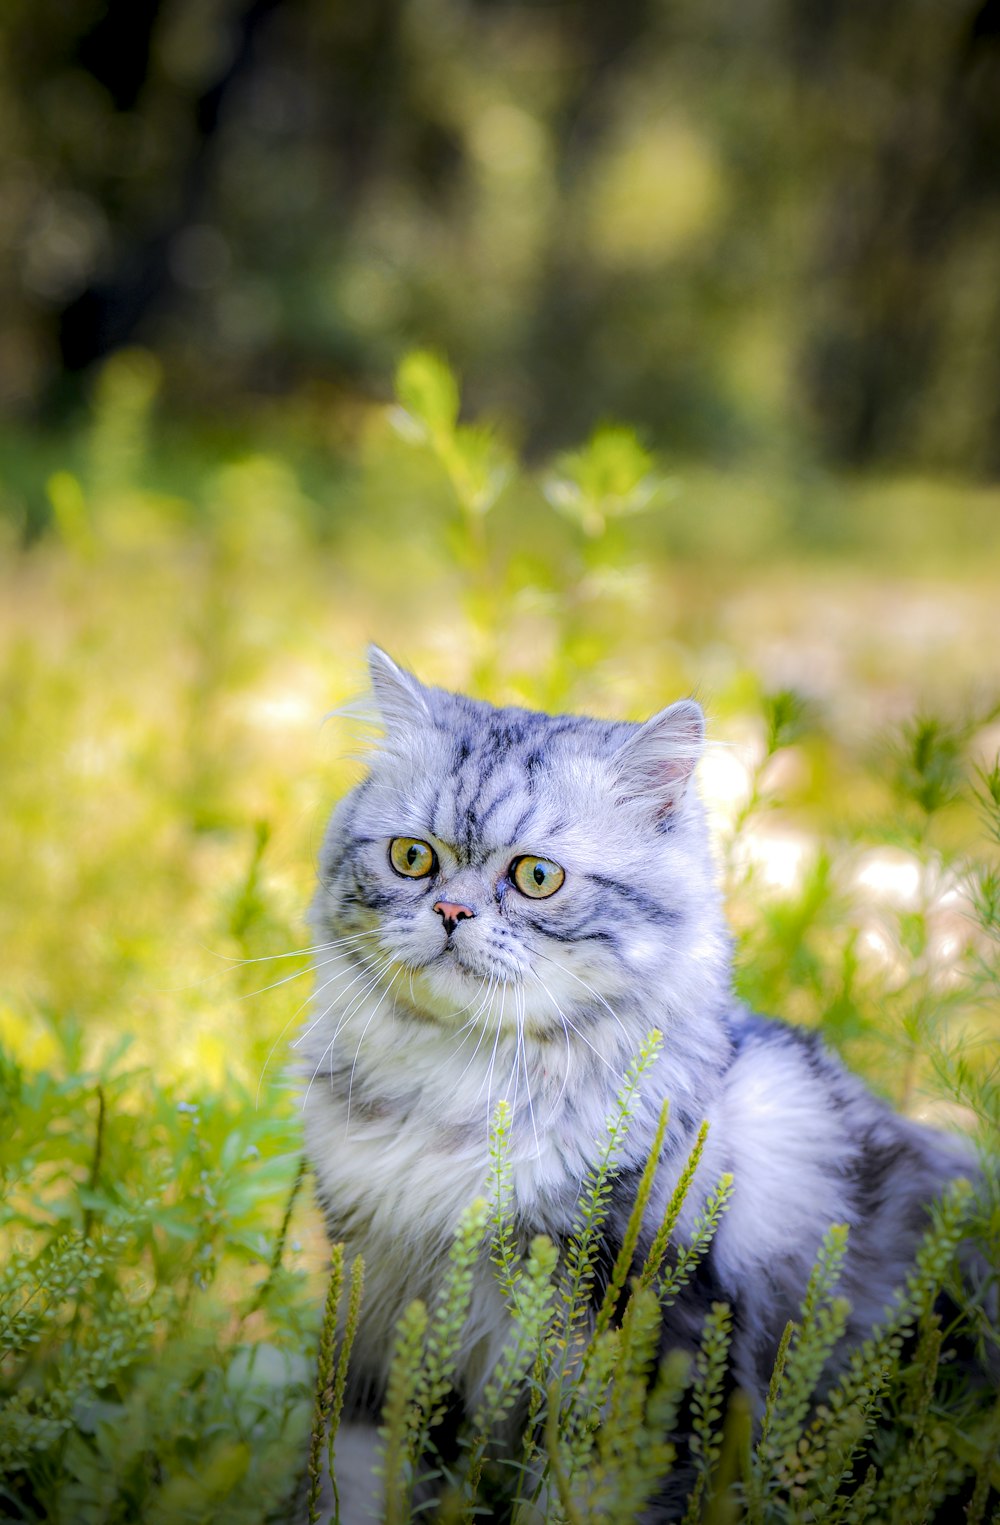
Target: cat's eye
{"type": "Point", "coordinates": [536, 877]}
{"type": "Point", "coordinates": [412, 858]}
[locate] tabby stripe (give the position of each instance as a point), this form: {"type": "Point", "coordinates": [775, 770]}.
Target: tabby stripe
{"type": "Point", "coordinates": [522, 822]}
{"type": "Point", "coordinates": [583, 931]}
{"type": "Point", "coordinates": [642, 902]}
{"type": "Point", "coordinates": [465, 787]}
{"type": "Point", "coordinates": [433, 815]}
{"type": "Point", "coordinates": [500, 799]}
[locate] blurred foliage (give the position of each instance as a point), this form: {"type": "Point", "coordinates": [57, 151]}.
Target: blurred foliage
{"type": "Point", "coordinates": [776, 239]}
{"type": "Point", "coordinates": [612, 475]}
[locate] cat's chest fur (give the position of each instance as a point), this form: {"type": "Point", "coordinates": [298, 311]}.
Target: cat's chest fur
{"type": "Point", "coordinates": [400, 1148]}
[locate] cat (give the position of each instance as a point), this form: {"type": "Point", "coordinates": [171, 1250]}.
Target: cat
{"type": "Point", "coordinates": [508, 902]}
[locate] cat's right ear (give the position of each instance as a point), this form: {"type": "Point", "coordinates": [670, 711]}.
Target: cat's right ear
{"type": "Point", "coordinates": [657, 761]}
{"type": "Point", "coordinates": [400, 698]}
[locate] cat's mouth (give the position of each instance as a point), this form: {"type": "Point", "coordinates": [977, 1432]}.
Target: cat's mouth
{"type": "Point", "coordinates": [451, 958]}
{"type": "Point", "coordinates": [472, 968]}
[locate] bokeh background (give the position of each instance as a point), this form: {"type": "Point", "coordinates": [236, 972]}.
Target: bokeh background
{"type": "Point", "coordinates": [770, 237]}
{"type": "Point", "coordinates": [702, 312]}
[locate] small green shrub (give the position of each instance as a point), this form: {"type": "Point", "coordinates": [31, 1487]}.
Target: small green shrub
{"type": "Point", "coordinates": [153, 1342]}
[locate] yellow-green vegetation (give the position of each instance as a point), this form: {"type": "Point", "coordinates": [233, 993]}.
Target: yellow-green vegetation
{"type": "Point", "coordinates": [177, 617]}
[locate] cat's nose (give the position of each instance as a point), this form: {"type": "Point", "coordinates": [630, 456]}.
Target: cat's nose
{"type": "Point", "coordinates": [451, 913]}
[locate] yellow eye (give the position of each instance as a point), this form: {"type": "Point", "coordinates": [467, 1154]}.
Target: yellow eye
{"type": "Point", "coordinates": [537, 877]}
{"type": "Point", "coordinates": [412, 858]}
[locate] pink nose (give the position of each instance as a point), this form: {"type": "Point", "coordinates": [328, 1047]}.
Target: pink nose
{"type": "Point", "coordinates": [451, 913]}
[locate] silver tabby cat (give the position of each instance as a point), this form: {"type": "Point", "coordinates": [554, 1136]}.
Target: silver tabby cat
{"type": "Point", "coordinates": [508, 903]}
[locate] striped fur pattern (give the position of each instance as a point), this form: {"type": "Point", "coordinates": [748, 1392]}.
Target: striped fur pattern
{"type": "Point", "coordinates": [417, 1031]}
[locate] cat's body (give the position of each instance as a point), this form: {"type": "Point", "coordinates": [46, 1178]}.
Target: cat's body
{"type": "Point", "coordinates": [465, 976]}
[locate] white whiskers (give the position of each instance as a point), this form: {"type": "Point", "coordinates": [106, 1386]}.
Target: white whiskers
{"type": "Point", "coordinates": [363, 966]}
{"type": "Point", "coordinates": [351, 963]}
{"type": "Point", "coordinates": [350, 1087]}
{"type": "Point", "coordinates": [568, 1023]}
{"type": "Point", "coordinates": [485, 1005]}
{"type": "Point", "coordinates": [488, 1077]}
{"type": "Point", "coordinates": [295, 975]}
{"type": "Point", "coordinates": [375, 973]}
{"type": "Point", "coordinates": [521, 1047]}
{"type": "Point", "coordinates": [591, 991]}
{"type": "Point", "coordinates": [270, 958]}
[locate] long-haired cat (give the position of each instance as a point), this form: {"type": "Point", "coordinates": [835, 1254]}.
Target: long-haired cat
{"type": "Point", "coordinates": [508, 903]}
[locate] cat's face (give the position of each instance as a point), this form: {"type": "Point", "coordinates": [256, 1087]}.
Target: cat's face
{"type": "Point", "coordinates": [496, 856]}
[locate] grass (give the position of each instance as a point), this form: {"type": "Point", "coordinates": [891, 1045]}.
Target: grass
{"type": "Point", "coordinates": [172, 633]}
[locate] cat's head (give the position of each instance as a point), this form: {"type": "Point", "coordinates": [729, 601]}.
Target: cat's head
{"type": "Point", "coordinates": [557, 861]}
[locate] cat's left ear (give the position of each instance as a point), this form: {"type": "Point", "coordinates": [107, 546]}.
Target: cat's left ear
{"type": "Point", "coordinates": [399, 695]}
{"type": "Point", "coordinates": [658, 759]}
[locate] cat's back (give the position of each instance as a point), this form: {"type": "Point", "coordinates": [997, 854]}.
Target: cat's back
{"type": "Point", "coordinates": [809, 1145]}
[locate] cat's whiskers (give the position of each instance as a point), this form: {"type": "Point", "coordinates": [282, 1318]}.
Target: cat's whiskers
{"type": "Point", "coordinates": [297, 974]}
{"type": "Point", "coordinates": [329, 1047]}
{"type": "Point", "coordinates": [350, 1086]}
{"type": "Point", "coordinates": [512, 1078]}
{"type": "Point", "coordinates": [274, 1045]}
{"type": "Point", "coordinates": [590, 989]}
{"type": "Point", "coordinates": [519, 1061]}
{"type": "Point", "coordinates": [379, 971]}
{"type": "Point", "coordinates": [568, 1023]}
{"type": "Point", "coordinates": [470, 1026]}
{"type": "Point", "coordinates": [477, 995]}
{"type": "Point", "coordinates": [366, 990]}
{"type": "Point", "coordinates": [291, 1019]}
{"type": "Point", "coordinates": [565, 1027]}
{"type": "Point", "coordinates": [486, 1004]}
{"type": "Point", "coordinates": [362, 966]}
{"type": "Point", "coordinates": [269, 958]}
{"type": "Point", "coordinates": [232, 963]}
{"type": "Point", "coordinates": [519, 1002]}
{"type": "Point", "coordinates": [488, 1078]}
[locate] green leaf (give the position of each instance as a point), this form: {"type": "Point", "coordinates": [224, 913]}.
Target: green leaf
{"type": "Point", "coordinates": [428, 392]}
{"type": "Point", "coordinates": [611, 476]}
